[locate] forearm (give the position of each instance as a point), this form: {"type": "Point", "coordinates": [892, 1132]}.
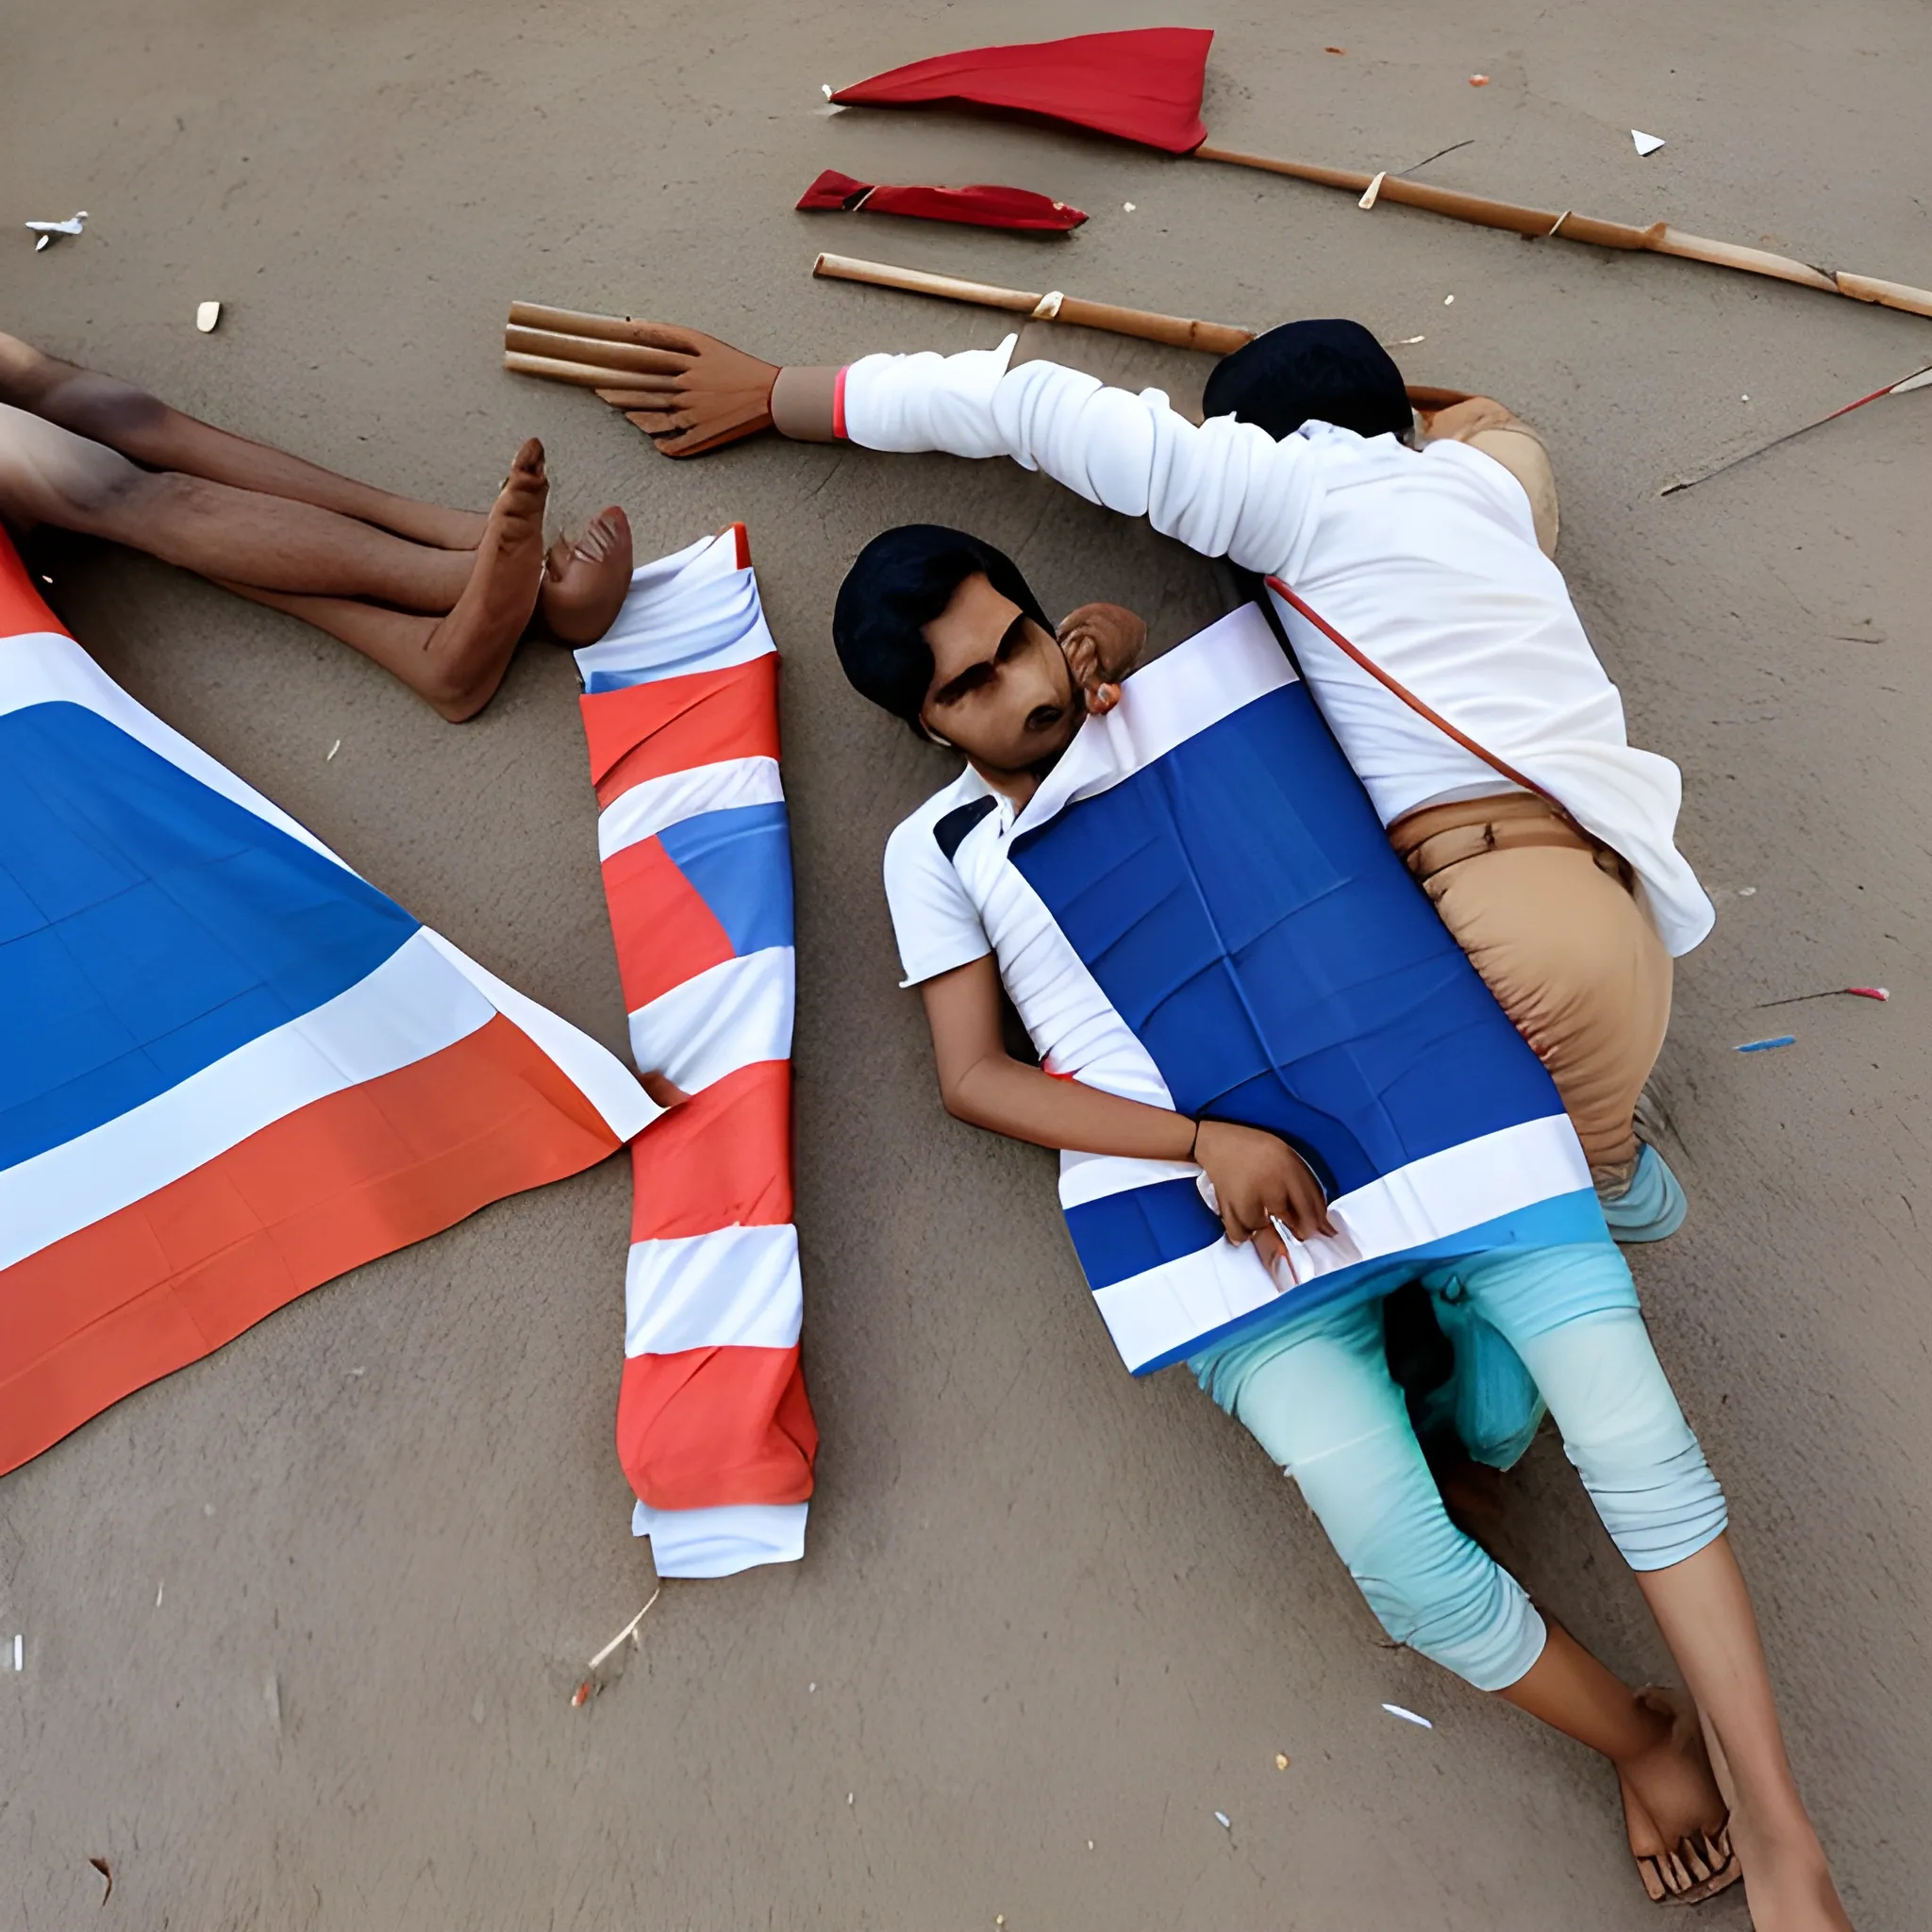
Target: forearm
{"type": "Point", "coordinates": [1000, 1094]}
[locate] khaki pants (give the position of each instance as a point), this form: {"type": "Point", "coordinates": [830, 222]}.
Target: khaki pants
{"type": "Point", "coordinates": [1548, 918]}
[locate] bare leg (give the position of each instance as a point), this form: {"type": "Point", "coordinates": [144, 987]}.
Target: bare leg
{"type": "Point", "coordinates": [1704, 1613]}
{"type": "Point", "coordinates": [146, 430]}
{"type": "Point", "coordinates": [455, 663]}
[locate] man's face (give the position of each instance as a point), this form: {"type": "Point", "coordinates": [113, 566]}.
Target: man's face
{"type": "Point", "coordinates": [1001, 691]}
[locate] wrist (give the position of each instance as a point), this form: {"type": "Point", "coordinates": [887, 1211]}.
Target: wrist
{"type": "Point", "coordinates": [805, 404]}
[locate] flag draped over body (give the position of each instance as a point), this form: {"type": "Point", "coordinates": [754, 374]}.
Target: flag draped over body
{"type": "Point", "coordinates": [231, 1069]}
{"type": "Point", "coordinates": [680, 710]}
{"type": "Point", "coordinates": [1198, 908]}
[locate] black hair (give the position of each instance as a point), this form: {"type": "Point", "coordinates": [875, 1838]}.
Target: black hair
{"type": "Point", "coordinates": [1327, 372]}
{"type": "Point", "coordinates": [896, 586]}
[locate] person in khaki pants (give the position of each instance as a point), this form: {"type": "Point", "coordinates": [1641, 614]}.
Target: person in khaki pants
{"type": "Point", "coordinates": [1410, 572]}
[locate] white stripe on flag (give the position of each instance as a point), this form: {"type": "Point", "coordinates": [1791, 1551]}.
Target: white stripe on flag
{"type": "Point", "coordinates": [731, 1015]}
{"type": "Point", "coordinates": [1093, 1177]}
{"type": "Point", "coordinates": [1152, 1313]}
{"type": "Point", "coordinates": [736, 1287]}
{"type": "Point", "coordinates": [723, 1540]}
{"type": "Point", "coordinates": [646, 809]}
{"type": "Point", "coordinates": [415, 1004]}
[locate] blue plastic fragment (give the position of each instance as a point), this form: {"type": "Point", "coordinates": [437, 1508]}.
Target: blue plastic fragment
{"type": "Point", "coordinates": [1766, 1045]}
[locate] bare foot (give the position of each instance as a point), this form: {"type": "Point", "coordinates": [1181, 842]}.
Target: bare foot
{"type": "Point", "coordinates": [585, 582]}
{"type": "Point", "coordinates": [464, 656]}
{"type": "Point", "coordinates": [1673, 1812]}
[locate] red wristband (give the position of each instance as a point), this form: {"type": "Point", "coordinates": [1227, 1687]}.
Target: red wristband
{"type": "Point", "coordinates": [838, 407]}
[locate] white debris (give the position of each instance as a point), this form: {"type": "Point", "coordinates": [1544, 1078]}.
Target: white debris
{"type": "Point", "coordinates": [1221, 1819]}
{"type": "Point", "coordinates": [1447, 300]}
{"type": "Point", "coordinates": [1646, 143]}
{"type": "Point", "coordinates": [630, 1629]}
{"type": "Point", "coordinates": [47, 230]}
{"type": "Point", "coordinates": [1407, 1716]}
{"type": "Point", "coordinates": [207, 316]}
{"type": "Point", "coordinates": [1372, 191]}
{"type": "Point", "coordinates": [826, 88]}
{"type": "Point", "coordinates": [19, 1652]}
{"type": "Point", "coordinates": [332, 751]}
{"type": "Point", "coordinates": [1126, 208]}
{"type": "Point", "coordinates": [158, 1587]}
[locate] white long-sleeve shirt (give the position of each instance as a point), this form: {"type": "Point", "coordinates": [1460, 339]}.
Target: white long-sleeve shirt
{"type": "Point", "coordinates": [1426, 560]}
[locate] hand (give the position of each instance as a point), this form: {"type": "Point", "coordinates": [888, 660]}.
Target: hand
{"type": "Point", "coordinates": [1458, 420]}
{"type": "Point", "coordinates": [1259, 1178]}
{"type": "Point", "coordinates": [1102, 643]}
{"type": "Point", "coordinates": [700, 393]}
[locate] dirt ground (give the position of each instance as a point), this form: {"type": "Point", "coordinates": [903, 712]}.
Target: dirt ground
{"type": "Point", "coordinates": [300, 1625]}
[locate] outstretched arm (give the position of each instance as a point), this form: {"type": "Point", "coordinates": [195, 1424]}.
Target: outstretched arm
{"type": "Point", "coordinates": [1259, 1178]}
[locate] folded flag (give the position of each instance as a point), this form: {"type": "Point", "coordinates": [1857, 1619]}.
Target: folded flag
{"type": "Point", "coordinates": [1199, 909]}
{"type": "Point", "coordinates": [980, 207]}
{"type": "Point", "coordinates": [231, 1069]}
{"type": "Point", "coordinates": [680, 710]}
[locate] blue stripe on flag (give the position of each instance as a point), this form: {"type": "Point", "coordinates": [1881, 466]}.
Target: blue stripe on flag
{"type": "Point", "coordinates": [149, 926]}
{"type": "Point", "coordinates": [1239, 905]}
{"type": "Point", "coordinates": [740, 862]}
{"type": "Point", "coordinates": [1125, 1234]}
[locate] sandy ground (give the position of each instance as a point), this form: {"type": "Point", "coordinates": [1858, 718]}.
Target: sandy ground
{"type": "Point", "coordinates": [301, 1625]}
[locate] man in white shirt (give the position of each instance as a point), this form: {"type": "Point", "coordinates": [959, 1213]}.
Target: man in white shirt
{"type": "Point", "coordinates": [1437, 637]}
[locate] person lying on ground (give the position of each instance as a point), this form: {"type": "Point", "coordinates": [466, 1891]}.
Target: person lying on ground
{"type": "Point", "coordinates": [1568, 893]}
{"type": "Point", "coordinates": [438, 597]}
{"type": "Point", "coordinates": [942, 632]}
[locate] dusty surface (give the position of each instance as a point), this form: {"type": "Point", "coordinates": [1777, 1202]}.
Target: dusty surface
{"type": "Point", "coordinates": [300, 1624]}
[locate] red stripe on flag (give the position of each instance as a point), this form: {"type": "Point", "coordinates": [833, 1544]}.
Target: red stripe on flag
{"type": "Point", "coordinates": [22, 609]}
{"type": "Point", "coordinates": [714, 1425]}
{"type": "Point", "coordinates": [665, 933]}
{"type": "Point", "coordinates": [678, 722]}
{"type": "Point", "coordinates": [722, 1158]}
{"type": "Point", "coordinates": [168, 1280]}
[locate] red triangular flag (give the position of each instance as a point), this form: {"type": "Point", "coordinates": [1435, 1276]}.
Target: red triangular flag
{"type": "Point", "coordinates": [981, 206]}
{"type": "Point", "coordinates": [1144, 84]}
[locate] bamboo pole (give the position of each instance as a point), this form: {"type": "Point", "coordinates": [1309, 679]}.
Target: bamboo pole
{"type": "Point", "coordinates": [1659, 239]}
{"type": "Point", "coordinates": [1177, 331]}
{"type": "Point", "coordinates": [594, 350]}
{"type": "Point", "coordinates": [583, 375]}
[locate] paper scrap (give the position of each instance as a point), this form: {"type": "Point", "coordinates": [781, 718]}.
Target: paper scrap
{"type": "Point", "coordinates": [100, 1865]}
{"type": "Point", "coordinates": [1126, 208]}
{"type": "Point", "coordinates": [1646, 143]}
{"type": "Point", "coordinates": [1373, 189]}
{"type": "Point", "coordinates": [332, 751]}
{"type": "Point", "coordinates": [1407, 1716]}
{"type": "Point", "coordinates": [19, 1652]}
{"type": "Point", "coordinates": [1447, 300]}
{"type": "Point", "coordinates": [207, 316]}
{"type": "Point", "coordinates": [1769, 1045]}
{"type": "Point", "coordinates": [1221, 1819]}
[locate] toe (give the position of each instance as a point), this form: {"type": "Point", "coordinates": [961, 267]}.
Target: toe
{"type": "Point", "coordinates": [1653, 1884]}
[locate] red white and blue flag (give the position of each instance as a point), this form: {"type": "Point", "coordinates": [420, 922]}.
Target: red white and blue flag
{"type": "Point", "coordinates": [231, 1069]}
{"type": "Point", "coordinates": [681, 714]}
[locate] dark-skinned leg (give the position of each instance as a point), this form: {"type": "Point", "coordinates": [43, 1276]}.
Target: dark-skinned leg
{"type": "Point", "coordinates": [145, 429]}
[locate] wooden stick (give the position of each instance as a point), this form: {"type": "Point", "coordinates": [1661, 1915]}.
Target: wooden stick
{"type": "Point", "coordinates": [570, 321]}
{"type": "Point", "coordinates": [633, 360]}
{"type": "Point", "coordinates": [1659, 239]}
{"type": "Point", "coordinates": [1180, 332]}
{"type": "Point", "coordinates": [583, 375]}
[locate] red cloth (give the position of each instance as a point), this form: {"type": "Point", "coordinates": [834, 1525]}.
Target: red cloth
{"type": "Point", "coordinates": [1142, 85]}
{"type": "Point", "coordinates": [981, 206]}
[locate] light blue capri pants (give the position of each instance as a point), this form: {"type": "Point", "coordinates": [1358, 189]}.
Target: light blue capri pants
{"type": "Point", "coordinates": [1316, 1393]}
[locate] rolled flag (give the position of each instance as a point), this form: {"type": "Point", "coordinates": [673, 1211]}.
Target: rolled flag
{"type": "Point", "coordinates": [980, 205]}
{"type": "Point", "coordinates": [1141, 84]}
{"type": "Point", "coordinates": [231, 1069]}
{"type": "Point", "coordinates": [680, 710]}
